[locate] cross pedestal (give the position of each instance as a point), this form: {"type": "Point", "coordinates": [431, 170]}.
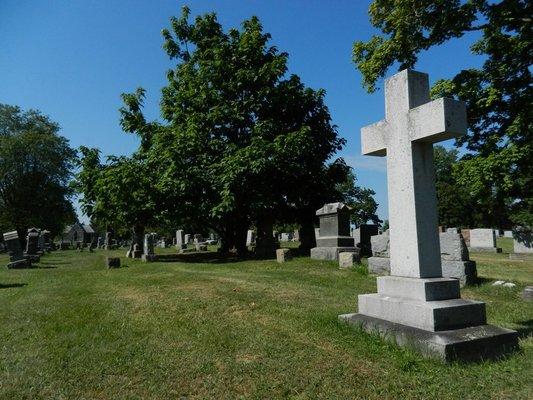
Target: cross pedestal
{"type": "Point", "coordinates": [415, 305]}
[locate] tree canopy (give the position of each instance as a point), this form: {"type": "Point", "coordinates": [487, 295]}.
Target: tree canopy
{"type": "Point", "coordinates": [497, 165]}
{"type": "Point", "coordinates": [242, 143]}
{"type": "Point", "coordinates": [35, 170]}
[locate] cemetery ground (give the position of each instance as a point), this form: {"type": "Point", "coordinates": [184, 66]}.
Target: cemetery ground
{"type": "Point", "coordinates": [245, 329]}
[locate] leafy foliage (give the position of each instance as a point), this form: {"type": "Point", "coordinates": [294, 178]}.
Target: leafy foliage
{"type": "Point", "coordinates": [35, 169]}
{"type": "Point", "coordinates": [498, 95]}
{"type": "Point", "coordinates": [242, 141]}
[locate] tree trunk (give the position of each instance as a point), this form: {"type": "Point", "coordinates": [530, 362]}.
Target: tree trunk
{"type": "Point", "coordinates": [307, 234]}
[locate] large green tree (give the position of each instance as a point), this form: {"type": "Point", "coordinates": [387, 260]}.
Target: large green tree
{"type": "Point", "coordinates": [243, 143]}
{"type": "Point", "coordinates": [35, 169]}
{"type": "Point", "coordinates": [499, 94]}
{"type": "Point", "coordinates": [118, 194]}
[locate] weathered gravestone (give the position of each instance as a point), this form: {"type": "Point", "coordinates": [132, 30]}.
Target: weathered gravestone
{"type": "Point", "coordinates": [522, 244]}
{"type": "Point", "coordinates": [188, 238]}
{"type": "Point", "coordinates": [180, 240]}
{"type": "Point", "coordinates": [32, 244]}
{"type": "Point", "coordinates": [148, 248]}
{"type": "Point", "coordinates": [40, 243]}
{"type": "Point", "coordinates": [483, 240]}
{"type": "Point", "coordinates": [283, 255]}
{"type": "Point", "coordinates": [346, 260]}
{"type": "Point", "coordinates": [286, 236]}
{"type": "Point", "coordinates": [16, 258]}
{"type": "Point", "coordinates": [47, 246]}
{"type": "Point", "coordinates": [137, 251]}
{"type": "Point", "coordinates": [108, 241]}
{"type": "Point", "coordinates": [362, 235]}
{"type": "Point", "coordinates": [415, 306]}
{"type": "Point", "coordinates": [100, 242]}
{"type": "Point", "coordinates": [334, 233]}
{"type": "Point", "coordinates": [508, 234]}
{"type": "Point", "coordinates": [250, 238]}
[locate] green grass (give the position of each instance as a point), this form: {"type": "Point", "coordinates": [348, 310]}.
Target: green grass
{"type": "Point", "coordinates": [252, 329]}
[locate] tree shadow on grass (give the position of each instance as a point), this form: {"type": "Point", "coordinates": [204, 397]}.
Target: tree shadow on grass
{"type": "Point", "coordinates": [12, 285]}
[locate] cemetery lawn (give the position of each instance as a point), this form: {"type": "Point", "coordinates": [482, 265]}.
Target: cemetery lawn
{"type": "Point", "coordinates": [71, 329]}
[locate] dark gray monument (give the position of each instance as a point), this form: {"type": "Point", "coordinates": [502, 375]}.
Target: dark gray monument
{"type": "Point", "coordinates": [334, 233]}
{"type": "Point", "coordinates": [32, 244]}
{"type": "Point", "coordinates": [362, 235]}
{"type": "Point", "coordinates": [16, 258]}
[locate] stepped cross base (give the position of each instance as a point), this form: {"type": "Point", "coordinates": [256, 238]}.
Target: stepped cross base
{"type": "Point", "coordinates": [428, 316]}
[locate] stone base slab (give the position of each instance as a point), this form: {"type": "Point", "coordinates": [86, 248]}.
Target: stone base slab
{"type": "Point", "coordinates": [424, 289]}
{"type": "Point", "coordinates": [428, 315]}
{"type": "Point", "coordinates": [468, 344]}
{"type": "Point", "coordinates": [19, 264]}
{"type": "Point", "coordinates": [521, 256]}
{"type": "Point", "coordinates": [465, 271]}
{"type": "Point", "coordinates": [331, 253]}
{"type": "Point", "coordinates": [485, 249]}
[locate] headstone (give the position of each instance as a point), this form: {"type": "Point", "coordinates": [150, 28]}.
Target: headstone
{"type": "Point", "coordinates": [508, 234]}
{"type": "Point", "coordinates": [416, 307]}
{"type": "Point", "coordinates": [100, 242]}
{"type": "Point", "coordinates": [379, 263]}
{"type": "Point", "coordinates": [112, 262]}
{"type": "Point", "coordinates": [163, 243]}
{"type": "Point", "coordinates": [362, 236]}
{"type": "Point", "coordinates": [16, 258]}
{"type": "Point", "coordinates": [527, 293]}
{"type": "Point", "coordinates": [483, 240]}
{"type": "Point", "coordinates": [522, 244]}
{"type": "Point", "coordinates": [32, 243]}
{"type": "Point", "coordinates": [201, 247]}
{"type": "Point", "coordinates": [334, 233]}
{"type": "Point", "coordinates": [286, 236]}
{"type": "Point", "coordinates": [40, 243]}
{"type": "Point", "coordinates": [148, 248]}
{"type": "Point", "coordinates": [187, 238]}
{"type": "Point", "coordinates": [346, 260]}
{"type": "Point", "coordinates": [250, 238]}
{"type": "Point", "coordinates": [455, 258]}
{"type": "Point", "coordinates": [107, 241]}
{"type": "Point", "coordinates": [296, 235]}
{"type": "Point", "coordinates": [46, 240]}
{"type": "Point", "coordinates": [198, 238]}
{"type": "Point", "coordinates": [180, 240]}
{"type": "Point", "coordinates": [283, 255]}
{"type": "Point", "coordinates": [137, 251]}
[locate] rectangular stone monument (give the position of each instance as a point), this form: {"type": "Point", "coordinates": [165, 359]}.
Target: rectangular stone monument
{"type": "Point", "coordinates": [483, 240]}
{"type": "Point", "coordinates": [508, 234]}
{"type": "Point", "coordinates": [148, 248]}
{"type": "Point", "coordinates": [250, 237]}
{"type": "Point", "coordinates": [107, 241]}
{"type": "Point", "coordinates": [180, 240]}
{"type": "Point", "coordinates": [334, 233]}
{"type": "Point", "coordinates": [16, 258]}
{"type": "Point", "coordinates": [286, 236]}
{"type": "Point", "coordinates": [416, 307]}
{"type": "Point", "coordinates": [187, 237]}
{"type": "Point", "coordinates": [522, 244]}
{"type": "Point", "coordinates": [47, 246]}
{"type": "Point", "coordinates": [362, 236]}
{"type": "Point", "coordinates": [32, 244]}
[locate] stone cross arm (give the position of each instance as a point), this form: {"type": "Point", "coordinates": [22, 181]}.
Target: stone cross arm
{"type": "Point", "coordinates": [431, 122]}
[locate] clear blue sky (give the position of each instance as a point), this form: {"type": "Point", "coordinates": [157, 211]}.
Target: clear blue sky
{"type": "Point", "coordinates": [72, 59]}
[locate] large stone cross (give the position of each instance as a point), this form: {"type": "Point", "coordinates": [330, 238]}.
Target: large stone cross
{"type": "Point", "coordinates": [412, 124]}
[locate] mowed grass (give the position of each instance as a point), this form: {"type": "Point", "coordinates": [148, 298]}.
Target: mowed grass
{"type": "Point", "coordinates": [71, 329]}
